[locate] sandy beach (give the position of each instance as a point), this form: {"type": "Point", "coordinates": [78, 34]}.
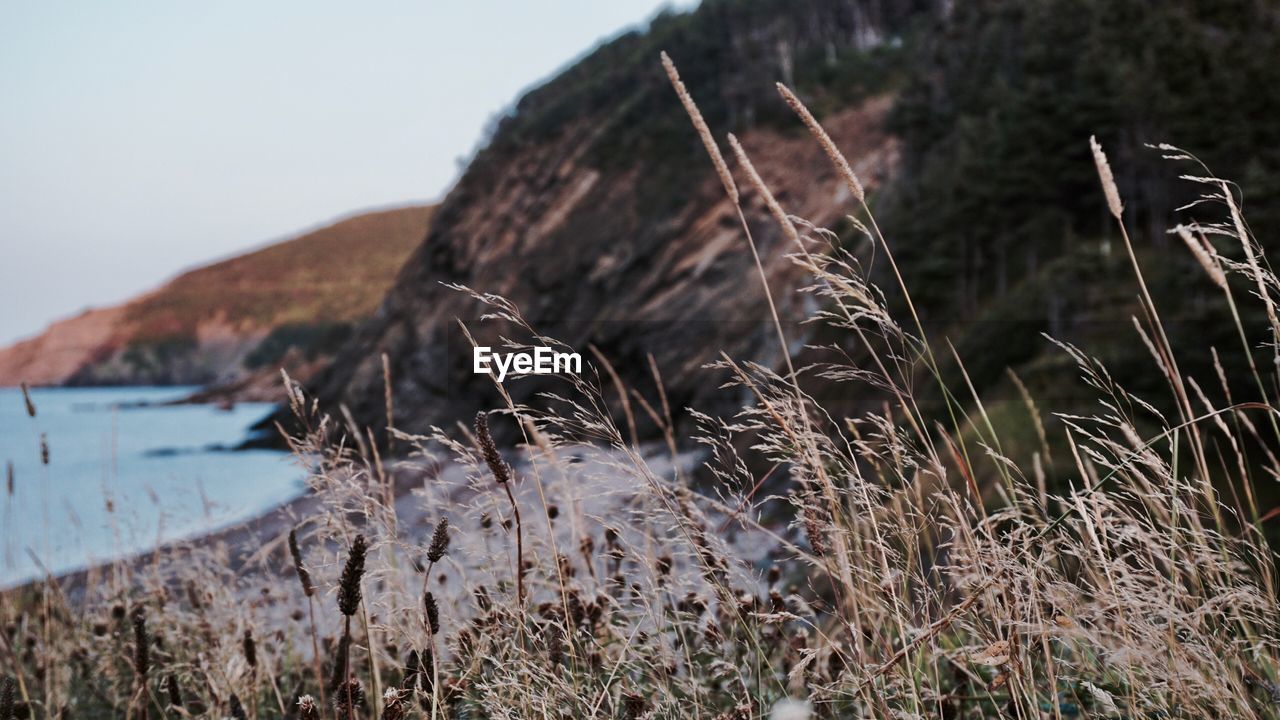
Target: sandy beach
{"type": "Point", "coordinates": [565, 498]}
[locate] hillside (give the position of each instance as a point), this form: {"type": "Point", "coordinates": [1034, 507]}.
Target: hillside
{"type": "Point", "coordinates": [594, 210]}
{"type": "Point", "coordinates": [1000, 225]}
{"type": "Point", "coordinates": [293, 300]}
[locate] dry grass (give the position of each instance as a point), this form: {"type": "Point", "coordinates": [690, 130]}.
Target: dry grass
{"type": "Point", "coordinates": [578, 573]}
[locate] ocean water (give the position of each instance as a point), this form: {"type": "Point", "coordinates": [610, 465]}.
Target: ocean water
{"type": "Point", "coordinates": [124, 476]}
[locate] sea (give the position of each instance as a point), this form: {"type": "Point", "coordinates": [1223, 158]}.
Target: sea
{"type": "Point", "coordinates": [125, 472]}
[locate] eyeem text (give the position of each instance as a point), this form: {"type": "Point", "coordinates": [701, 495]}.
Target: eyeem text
{"type": "Point", "coordinates": [541, 361]}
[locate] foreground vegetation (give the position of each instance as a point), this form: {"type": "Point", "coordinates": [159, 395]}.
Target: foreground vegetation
{"type": "Point", "coordinates": [582, 574]}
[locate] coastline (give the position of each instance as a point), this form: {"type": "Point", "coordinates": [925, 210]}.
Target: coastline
{"type": "Point", "coordinates": [256, 549]}
{"type": "Point", "coordinates": [247, 541]}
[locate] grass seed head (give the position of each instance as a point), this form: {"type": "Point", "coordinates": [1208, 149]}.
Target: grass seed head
{"type": "Point", "coordinates": [1108, 180]}
{"type": "Point", "coordinates": [348, 700]}
{"type": "Point", "coordinates": [828, 145]}
{"type": "Point", "coordinates": [779, 215]}
{"type": "Point", "coordinates": [304, 577]}
{"type": "Point", "coordinates": [250, 648]}
{"type": "Point", "coordinates": [26, 399]}
{"type": "Point", "coordinates": [489, 450]}
{"type": "Point", "coordinates": [704, 132]}
{"type": "Point", "coordinates": [432, 609]}
{"type": "Point", "coordinates": [1203, 253]}
{"type": "Point", "coordinates": [141, 645]}
{"type": "Point", "coordinates": [307, 709]}
{"type": "Point", "coordinates": [412, 669]}
{"type": "Point", "coordinates": [174, 690]}
{"type": "Point", "coordinates": [439, 541]}
{"type": "Point", "coordinates": [393, 704]}
{"type": "Point", "coordinates": [633, 705]}
{"type": "Point", "coordinates": [7, 691]}
{"type": "Point", "coordinates": [352, 574]}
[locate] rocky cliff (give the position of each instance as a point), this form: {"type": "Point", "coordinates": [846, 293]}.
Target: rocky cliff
{"type": "Point", "coordinates": [288, 303]}
{"type": "Point", "coordinates": [595, 210]}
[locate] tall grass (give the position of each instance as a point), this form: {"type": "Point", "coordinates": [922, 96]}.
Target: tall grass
{"type": "Point", "coordinates": [580, 573]}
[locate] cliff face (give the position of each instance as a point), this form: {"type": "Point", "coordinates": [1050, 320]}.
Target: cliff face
{"type": "Point", "coordinates": [57, 353]}
{"type": "Point", "coordinates": [288, 303]}
{"type": "Point", "coordinates": [596, 212]}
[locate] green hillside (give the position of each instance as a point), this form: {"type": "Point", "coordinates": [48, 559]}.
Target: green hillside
{"type": "Point", "coordinates": [996, 214]}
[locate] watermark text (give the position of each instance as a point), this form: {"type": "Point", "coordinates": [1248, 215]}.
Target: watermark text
{"type": "Point", "coordinates": [539, 361]}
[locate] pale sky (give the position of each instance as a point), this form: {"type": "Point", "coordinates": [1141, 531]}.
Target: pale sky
{"type": "Point", "coordinates": [138, 138]}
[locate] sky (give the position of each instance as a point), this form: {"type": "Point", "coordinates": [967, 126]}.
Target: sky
{"type": "Point", "coordinates": [139, 138]}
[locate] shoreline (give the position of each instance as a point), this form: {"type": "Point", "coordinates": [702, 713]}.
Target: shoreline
{"type": "Point", "coordinates": [244, 539]}
{"type": "Point", "coordinates": [256, 547]}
